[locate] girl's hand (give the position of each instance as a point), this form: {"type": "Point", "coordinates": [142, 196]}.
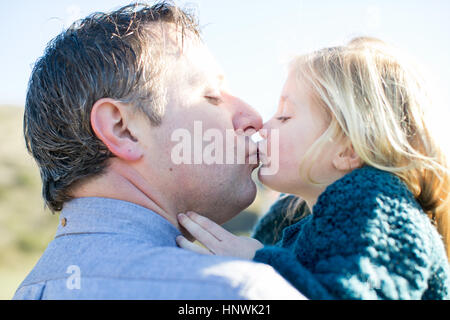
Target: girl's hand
{"type": "Point", "coordinates": [216, 239]}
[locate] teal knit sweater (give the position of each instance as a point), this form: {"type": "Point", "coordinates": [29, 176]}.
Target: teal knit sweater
{"type": "Point", "coordinates": [367, 238]}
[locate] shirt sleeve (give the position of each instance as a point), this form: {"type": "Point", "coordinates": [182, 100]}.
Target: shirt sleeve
{"type": "Point", "coordinates": [30, 292]}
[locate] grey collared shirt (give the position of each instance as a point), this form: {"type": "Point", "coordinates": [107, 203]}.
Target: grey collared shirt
{"type": "Point", "coordinates": [113, 249]}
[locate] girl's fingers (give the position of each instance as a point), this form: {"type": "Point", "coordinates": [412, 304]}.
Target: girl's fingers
{"type": "Point", "coordinates": [210, 226]}
{"type": "Point", "coordinates": [184, 243]}
{"type": "Point", "coordinates": [199, 233]}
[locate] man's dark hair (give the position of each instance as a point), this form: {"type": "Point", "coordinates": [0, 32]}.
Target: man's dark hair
{"type": "Point", "coordinates": [115, 55]}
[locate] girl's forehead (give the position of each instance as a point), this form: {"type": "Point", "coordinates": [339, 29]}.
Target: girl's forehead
{"type": "Point", "coordinates": [295, 90]}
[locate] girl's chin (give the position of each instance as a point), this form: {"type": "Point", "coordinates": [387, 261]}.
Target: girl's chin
{"type": "Point", "coordinates": [280, 182]}
{"type": "Point", "coordinates": [272, 181]}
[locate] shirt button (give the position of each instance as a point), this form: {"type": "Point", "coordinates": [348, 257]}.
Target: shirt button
{"type": "Point", "coordinates": [63, 222]}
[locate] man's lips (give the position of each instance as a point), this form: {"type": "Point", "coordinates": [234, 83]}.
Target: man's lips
{"type": "Point", "coordinates": [252, 152]}
{"type": "Point", "coordinates": [260, 158]}
{"type": "Point", "coordinates": [253, 159]}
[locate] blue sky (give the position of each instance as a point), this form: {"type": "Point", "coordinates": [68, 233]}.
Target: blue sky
{"type": "Point", "coordinates": [252, 39]}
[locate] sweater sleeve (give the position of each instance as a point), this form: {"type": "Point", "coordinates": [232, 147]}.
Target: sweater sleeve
{"type": "Point", "coordinates": [287, 265]}
{"type": "Point", "coordinates": [352, 277]}
{"type": "Point", "coordinates": [370, 242]}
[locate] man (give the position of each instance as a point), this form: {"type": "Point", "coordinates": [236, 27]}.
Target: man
{"type": "Point", "coordinates": [102, 105]}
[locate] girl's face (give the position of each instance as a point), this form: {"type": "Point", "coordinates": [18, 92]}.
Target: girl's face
{"type": "Point", "coordinates": [300, 122]}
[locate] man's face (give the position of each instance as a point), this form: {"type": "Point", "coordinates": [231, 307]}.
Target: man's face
{"type": "Point", "coordinates": [197, 100]}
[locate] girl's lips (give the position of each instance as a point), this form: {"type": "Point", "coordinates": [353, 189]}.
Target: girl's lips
{"type": "Point", "coordinates": [257, 154]}
{"type": "Point", "coordinates": [262, 153]}
{"type": "Point", "coordinates": [263, 159]}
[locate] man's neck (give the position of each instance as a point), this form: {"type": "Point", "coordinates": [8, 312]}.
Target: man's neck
{"type": "Point", "coordinates": [124, 183]}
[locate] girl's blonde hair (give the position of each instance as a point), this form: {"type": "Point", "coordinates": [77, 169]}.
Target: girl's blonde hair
{"type": "Point", "coordinates": [380, 104]}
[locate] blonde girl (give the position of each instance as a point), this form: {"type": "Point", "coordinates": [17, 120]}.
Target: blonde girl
{"type": "Point", "coordinates": [356, 144]}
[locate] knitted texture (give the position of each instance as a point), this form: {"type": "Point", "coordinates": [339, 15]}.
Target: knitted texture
{"type": "Point", "coordinates": [367, 238]}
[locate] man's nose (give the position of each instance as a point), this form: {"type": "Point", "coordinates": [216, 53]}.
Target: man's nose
{"type": "Point", "coordinates": [245, 118]}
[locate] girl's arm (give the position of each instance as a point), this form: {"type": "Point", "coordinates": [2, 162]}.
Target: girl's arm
{"type": "Point", "coordinates": [214, 238]}
{"type": "Point", "coordinates": [217, 240]}
{"type": "Point", "coordinates": [339, 271]}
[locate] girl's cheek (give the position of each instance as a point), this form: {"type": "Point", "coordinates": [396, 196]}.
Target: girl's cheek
{"type": "Point", "coordinates": [286, 153]}
{"type": "Point", "coordinates": [282, 150]}
{"type": "Point", "coordinates": [272, 143]}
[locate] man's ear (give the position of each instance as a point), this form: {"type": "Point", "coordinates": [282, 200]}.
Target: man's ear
{"type": "Point", "coordinates": [346, 159]}
{"type": "Point", "coordinates": [110, 122]}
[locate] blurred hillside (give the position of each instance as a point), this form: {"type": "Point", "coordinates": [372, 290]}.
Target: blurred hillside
{"type": "Point", "coordinates": [26, 228]}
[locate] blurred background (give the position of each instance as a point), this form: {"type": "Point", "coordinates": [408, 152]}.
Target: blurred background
{"type": "Point", "coordinates": [253, 40]}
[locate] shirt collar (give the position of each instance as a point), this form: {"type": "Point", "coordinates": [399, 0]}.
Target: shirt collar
{"type": "Point", "coordinates": [104, 215]}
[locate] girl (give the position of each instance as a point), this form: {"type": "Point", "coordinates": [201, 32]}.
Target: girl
{"type": "Point", "coordinates": [356, 145]}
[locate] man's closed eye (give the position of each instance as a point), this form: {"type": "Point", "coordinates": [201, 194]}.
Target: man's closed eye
{"type": "Point", "coordinates": [215, 100]}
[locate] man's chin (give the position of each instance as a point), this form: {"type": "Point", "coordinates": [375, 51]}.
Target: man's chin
{"type": "Point", "coordinates": [251, 193]}
{"type": "Point", "coordinates": [247, 193]}
{"type": "Point", "coordinates": [239, 199]}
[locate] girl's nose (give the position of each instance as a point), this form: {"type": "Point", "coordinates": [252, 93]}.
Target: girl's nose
{"type": "Point", "coordinates": [263, 132]}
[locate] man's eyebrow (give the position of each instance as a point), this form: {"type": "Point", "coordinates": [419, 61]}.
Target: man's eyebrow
{"type": "Point", "coordinates": [198, 78]}
{"type": "Point", "coordinates": [220, 78]}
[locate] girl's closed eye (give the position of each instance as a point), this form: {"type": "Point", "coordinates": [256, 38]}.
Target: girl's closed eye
{"type": "Point", "coordinates": [283, 119]}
